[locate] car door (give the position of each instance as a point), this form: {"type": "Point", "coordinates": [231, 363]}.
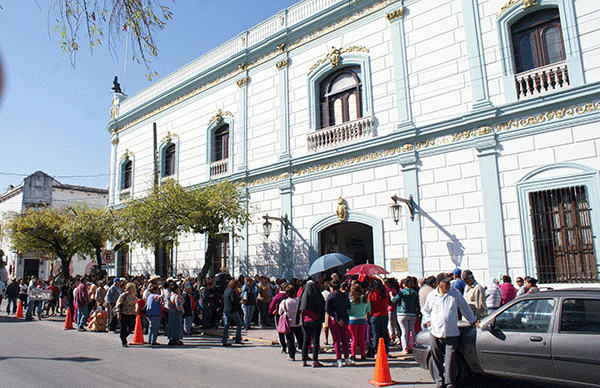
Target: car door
{"type": "Point", "coordinates": [519, 341]}
{"type": "Point", "coordinates": [576, 346]}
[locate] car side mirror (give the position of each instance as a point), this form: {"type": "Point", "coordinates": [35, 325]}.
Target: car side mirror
{"type": "Point", "coordinates": [489, 325]}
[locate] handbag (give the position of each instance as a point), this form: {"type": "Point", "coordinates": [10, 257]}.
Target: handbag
{"type": "Point", "coordinates": [283, 326]}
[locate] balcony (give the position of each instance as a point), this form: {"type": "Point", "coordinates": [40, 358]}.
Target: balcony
{"type": "Point", "coordinates": [345, 133]}
{"type": "Point", "coordinates": [218, 168]}
{"type": "Point", "coordinates": [542, 80]}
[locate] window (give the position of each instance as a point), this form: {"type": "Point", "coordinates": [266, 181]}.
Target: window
{"type": "Point", "coordinates": [221, 149]}
{"type": "Point", "coordinates": [537, 40]}
{"type": "Point", "coordinates": [580, 316]}
{"type": "Point", "coordinates": [340, 97]}
{"type": "Point", "coordinates": [123, 261]}
{"type": "Point", "coordinates": [221, 259]}
{"type": "Point", "coordinates": [168, 160]}
{"type": "Point", "coordinates": [532, 316]}
{"type": "Point", "coordinates": [126, 174]}
{"type": "Point", "coordinates": [562, 235]}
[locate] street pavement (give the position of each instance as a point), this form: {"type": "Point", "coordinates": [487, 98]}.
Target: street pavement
{"type": "Point", "coordinates": [42, 354]}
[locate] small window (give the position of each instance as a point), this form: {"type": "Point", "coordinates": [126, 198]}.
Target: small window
{"type": "Point", "coordinates": [221, 149]}
{"type": "Point", "coordinates": [126, 173]}
{"type": "Point", "coordinates": [221, 259]}
{"type": "Point", "coordinates": [340, 97]}
{"type": "Point", "coordinates": [537, 40]}
{"type": "Point", "coordinates": [580, 316]}
{"type": "Point", "coordinates": [530, 316]}
{"type": "Point", "coordinates": [169, 160]}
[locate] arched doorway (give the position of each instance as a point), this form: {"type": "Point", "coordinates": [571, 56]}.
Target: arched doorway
{"type": "Point", "coordinates": [353, 239]}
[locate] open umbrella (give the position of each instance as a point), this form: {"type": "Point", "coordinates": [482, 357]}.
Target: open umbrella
{"type": "Point", "coordinates": [367, 269]}
{"type": "Point", "coordinates": [328, 261]}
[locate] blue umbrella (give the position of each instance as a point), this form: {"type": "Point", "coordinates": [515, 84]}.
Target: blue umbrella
{"type": "Point", "coordinates": [328, 261]}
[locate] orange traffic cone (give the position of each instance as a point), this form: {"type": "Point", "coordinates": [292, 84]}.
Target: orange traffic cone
{"type": "Point", "coordinates": [20, 310]}
{"type": "Point", "coordinates": [68, 321]}
{"type": "Point", "coordinates": [138, 333]}
{"type": "Point", "coordinates": [382, 376]}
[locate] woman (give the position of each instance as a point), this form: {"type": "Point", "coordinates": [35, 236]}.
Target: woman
{"type": "Point", "coordinates": [357, 321]}
{"type": "Point", "coordinates": [125, 308]}
{"type": "Point", "coordinates": [392, 288]}
{"type": "Point", "coordinates": [288, 308]}
{"type": "Point", "coordinates": [509, 292]}
{"type": "Point", "coordinates": [493, 295]}
{"type": "Point", "coordinates": [175, 307]}
{"type": "Point", "coordinates": [188, 309]}
{"type": "Point", "coordinates": [274, 310]}
{"type": "Point", "coordinates": [154, 310]}
{"type": "Point", "coordinates": [337, 306]}
{"type": "Point", "coordinates": [248, 302]}
{"type": "Point", "coordinates": [379, 300]}
{"type": "Point", "coordinates": [408, 302]}
{"type": "Point", "coordinates": [312, 308]}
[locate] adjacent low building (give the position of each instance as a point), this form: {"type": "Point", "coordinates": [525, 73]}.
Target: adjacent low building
{"type": "Point", "coordinates": [477, 119]}
{"type": "Point", "coordinates": [41, 190]}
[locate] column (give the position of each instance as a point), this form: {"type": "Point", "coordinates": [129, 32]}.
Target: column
{"type": "Point", "coordinates": [284, 107]}
{"type": "Point", "coordinates": [414, 239]}
{"type": "Point", "coordinates": [405, 119]}
{"type": "Point", "coordinates": [287, 248]}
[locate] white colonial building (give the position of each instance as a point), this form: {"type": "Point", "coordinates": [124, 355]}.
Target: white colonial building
{"type": "Point", "coordinates": [41, 190]}
{"type": "Point", "coordinates": [482, 116]}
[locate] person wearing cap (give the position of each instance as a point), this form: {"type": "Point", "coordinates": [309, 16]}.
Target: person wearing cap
{"type": "Point", "coordinates": [440, 315]}
{"type": "Point", "coordinates": [474, 294]}
{"type": "Point", "coordinates": [458, 283]}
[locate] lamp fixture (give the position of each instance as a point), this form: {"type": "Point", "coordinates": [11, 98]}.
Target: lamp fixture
{"type": "Point", "coordinates": [267, 225]}
{"type": "Point", "coordinates": [395, 208]}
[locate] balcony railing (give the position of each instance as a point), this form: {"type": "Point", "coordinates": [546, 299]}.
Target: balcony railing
{"type": "Point", "coordinates": [218, 168]}
{"type": "Point", "coordinates": [337, 135]}
{"type": "Point", "coordinates": [542, 80]}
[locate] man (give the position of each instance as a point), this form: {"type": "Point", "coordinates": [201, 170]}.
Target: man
{"type": "Point", "coordinates": [231, 304]}
{"type": "Point", "coordinates": [81, 298]}
{"type": "Point", "coordinates": [31, 303]}
{"type": "Point", "coordinates": [474, 295]}
{"type": "Point", "coordinates": [12, 293]}
{"type": "Point", "coordinates": [111, 298]}
{"type": "Point", "coordinates": [426, 289]}
{"type": "Point", "coordinates": [440, 314]}
{"type": "Point", "coordinates": [458, 283]}
{"type": "Point", "coordinates": [2, 291]}
{"type": "Point", "coordinates": [264, 299]}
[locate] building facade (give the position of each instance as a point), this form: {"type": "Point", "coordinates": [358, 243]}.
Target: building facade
{"type": "Point", "coordinates": [41, 190]}
{"type": "Point", "coordinates": [482, 116]}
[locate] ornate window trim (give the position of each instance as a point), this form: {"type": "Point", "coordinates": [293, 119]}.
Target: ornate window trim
{"type": "Point", "coordinates": [125, 192]}
{"type": "Point", "coordinates": [213, 126]}
{"type": "Point", "coordinates": [570, 36]}
{"type": "Point", "coordinates": [549, 177]}
{"type": "Point", "coordinates": [318, 74]}
{"type": "Point", "coordinates": [162, 157]}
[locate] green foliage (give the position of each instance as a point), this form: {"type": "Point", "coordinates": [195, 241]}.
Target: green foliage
{"type": "Point", "coordinates": [108, 20]}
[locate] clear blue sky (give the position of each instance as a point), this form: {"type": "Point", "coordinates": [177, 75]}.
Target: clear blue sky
{"type": "Point", "coordinates": [53, 117]}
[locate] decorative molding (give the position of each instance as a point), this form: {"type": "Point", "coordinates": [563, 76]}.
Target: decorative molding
{"type": "Point", "coordinates": [342, 209]}
{"type": "Point", "coordinates": [243, 40]}
{"type": "Point", "coordinates": [115, 141]}
{"type": "Point", "coordinates": [334, 56]}
{"type": "Point", "coordinates": [282, 64]}
{"type": "Point", "coordinates": [127, 154]}
{"type": "Point", "coordinates": [281, 48]}
{"type": "Point", "coordinates": [395, 14]}
{"type": "Point", "coordinates": [242, 81]}
{"type": "Point", "coordinates": [168, 138]}
{"type": "Point", "coordinates": [281, 20]}
{"type": "Point", "coordinates": [557, 114]}
{"type": "Point", "coordinates": [242, 67]}
{"type": "Point", "coordinates": [219, 116]}
{"type": "Point", "coordinates": [526, 4]}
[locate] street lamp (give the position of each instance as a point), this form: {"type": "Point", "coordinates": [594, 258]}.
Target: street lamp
{"type": "Point", "coordinates": [395, 208]}
{"type": "Point", "coordinates": [267, 225]}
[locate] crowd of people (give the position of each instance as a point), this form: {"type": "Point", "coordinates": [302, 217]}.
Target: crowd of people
{"type": "Point", "coordinates": [353, 312]}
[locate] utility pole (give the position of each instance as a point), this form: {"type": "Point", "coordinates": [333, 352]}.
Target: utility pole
{"type": "Point", "coordinates": [158, 262]}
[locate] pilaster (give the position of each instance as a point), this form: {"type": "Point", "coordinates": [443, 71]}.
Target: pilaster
{"type": "Point", "coordinates": [414, 239]}
{"type": "Point", "coordinates": [405, 119]}
{"type": "Point", "coordinates": [287, 242]}
{"type": "Point", "coordinates": [284, 101]}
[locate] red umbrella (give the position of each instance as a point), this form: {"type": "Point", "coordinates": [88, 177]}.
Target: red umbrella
{"type": "Point", "coordinates": [367, 269]}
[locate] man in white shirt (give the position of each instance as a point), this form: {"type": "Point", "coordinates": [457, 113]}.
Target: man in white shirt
{"type": "Point", "coordinates": [440, 315]}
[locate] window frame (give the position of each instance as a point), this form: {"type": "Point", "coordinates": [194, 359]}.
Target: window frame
{"type": "Point", "coordinates": [327, 99]}
{"type": "Point", "coordinates": [123, 172]}
{"type": "Point", "coordinates": [211, 130]}
{"type": "Point", "coordinates": [166, 158]}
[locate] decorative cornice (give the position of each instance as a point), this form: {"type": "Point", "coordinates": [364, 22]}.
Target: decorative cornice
{"type": "Point", "coordinates": [281, 20]}
{"type": "Point", "coordinates": [219, 116]}
{"type": "Point", "coordinates": [242, 81]}
{"type": "Point", "coordinates": [515, 124]}
{"type": "Point", "coordinates": [395, 14]}
{"type": "Point", "coordinates": [242, 67]}
{"type": "Point", "coordinates": [281, 48]}
{"type": "Point", "coordinates": [115, 141]}
{"type": "Point", "coordinates": [334, 56]}
{"type": "Point", "coordinates": [168, 138]}
{"type": "Point", "coordinates": [526, 4]}
{"type": "Point", "coordinates": [282, 64]}
{"type": "Point", "coordinates": [127, 154]}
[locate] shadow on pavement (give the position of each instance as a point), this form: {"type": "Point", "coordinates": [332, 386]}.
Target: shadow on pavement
{"type": "Point", "coordinates": [69, 359]}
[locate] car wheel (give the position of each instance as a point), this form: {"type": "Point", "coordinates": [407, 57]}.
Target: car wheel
{"type": "Point", "coordinates": [459, 370]}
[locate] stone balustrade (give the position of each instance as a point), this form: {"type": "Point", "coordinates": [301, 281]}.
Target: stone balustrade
{"type": "Point", "coordinates": [341, 134]}
{"type": "Point", "coordinates": [542, 80]}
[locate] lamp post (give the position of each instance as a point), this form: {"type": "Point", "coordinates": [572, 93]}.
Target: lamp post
{"type": "Point", "coordinates": [267, 225]}
{"type": "Point", "coordinates": [395, 208]}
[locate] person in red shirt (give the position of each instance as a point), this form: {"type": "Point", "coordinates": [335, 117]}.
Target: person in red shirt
{"type": "Point", "coordinates": [379, 300]}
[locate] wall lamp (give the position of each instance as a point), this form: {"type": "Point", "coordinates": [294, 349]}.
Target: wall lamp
{"type": "Point", "coordinates": [267, 225]}
{"type": "Point", "coordinates": [395, 208]}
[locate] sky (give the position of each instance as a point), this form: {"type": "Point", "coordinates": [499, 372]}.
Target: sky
{"type": "Point", "coordinates": [53, 115]}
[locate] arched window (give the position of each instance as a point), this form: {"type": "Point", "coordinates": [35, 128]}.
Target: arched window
{"type": "Point", "coordinates": [126, 174]}
{"type": "Point", "coordinates": [221, 148]}
{"type": "Point", "coordinates": [537, 40]}
{"type": "Point", "coordinates": [340, 97]}
{"type": "Point", "coordinates": [168, 160]}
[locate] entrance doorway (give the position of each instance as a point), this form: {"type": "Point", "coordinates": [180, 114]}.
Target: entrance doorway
{"type": "Point", "coordinates": [352, 239]}
{"type": "Point", "coordinates": [31, 268]}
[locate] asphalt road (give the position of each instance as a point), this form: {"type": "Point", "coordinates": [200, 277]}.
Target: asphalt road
{"type": "Point", "coordinates": [42, 354]}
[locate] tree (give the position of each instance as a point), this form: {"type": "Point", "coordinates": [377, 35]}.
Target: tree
{"type": "Point", "coordinates": [43, 230]}
{"type": "Point", "coordinates": [99, 21]}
